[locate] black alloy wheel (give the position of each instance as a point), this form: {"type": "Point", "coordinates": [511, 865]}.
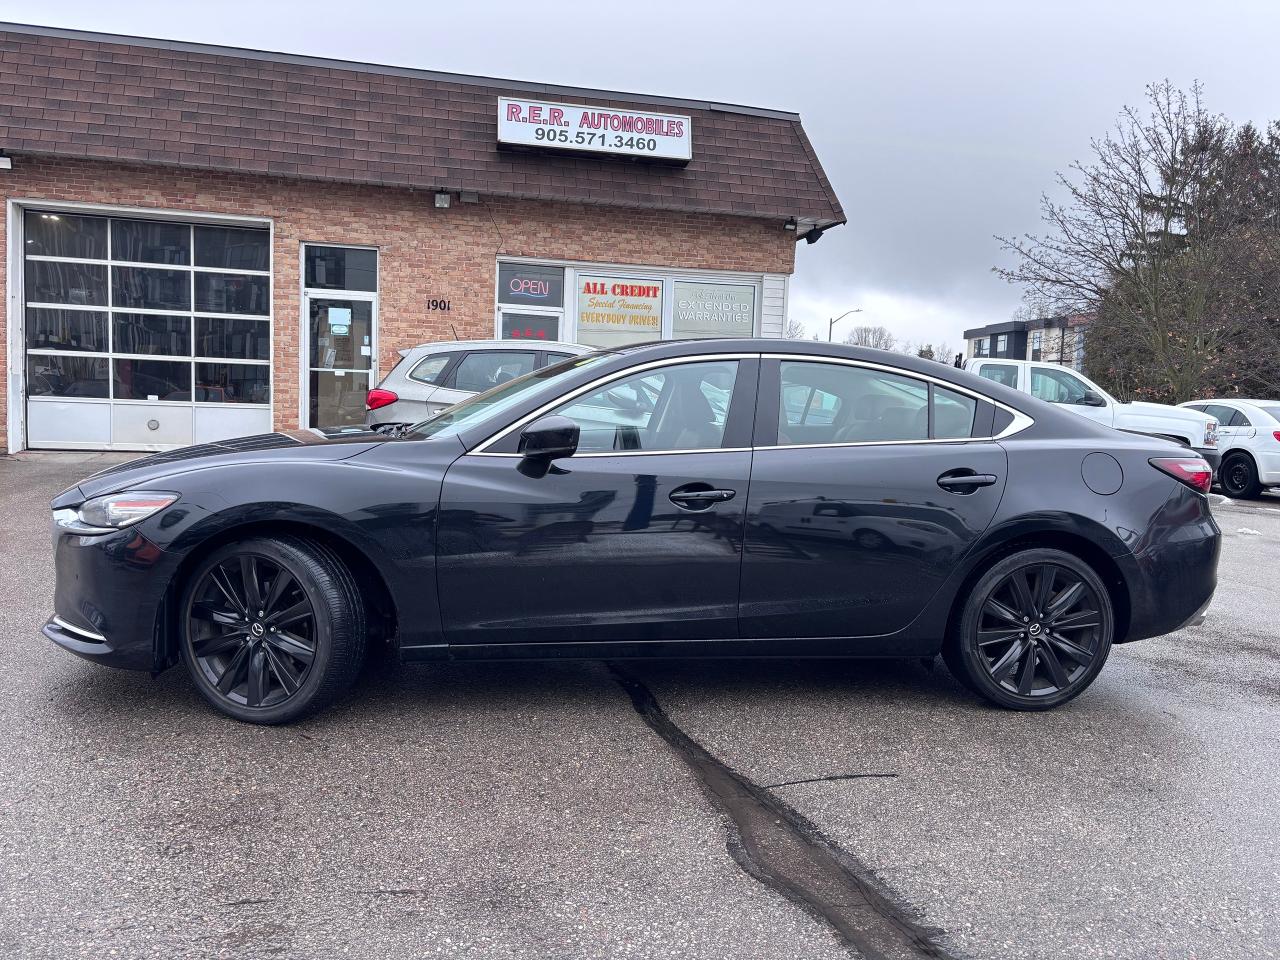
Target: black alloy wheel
{"type": "Point", "coordinates": [1036, 630]}
{"type": "Point", "coordinates": [1239, 477]}
{"type": "Point", "coordinates": [272, 629]}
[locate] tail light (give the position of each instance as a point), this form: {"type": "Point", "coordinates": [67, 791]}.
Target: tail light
{"type": "Point", "coordinates": [1276, 434]}
{"type": "Point", "coordinates": [1194, 472]}
{"type": "Point", "coordinates": [379, 398]}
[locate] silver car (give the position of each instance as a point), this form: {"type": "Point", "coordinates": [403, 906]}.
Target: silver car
{"type": "Point", "coordinates": [432, 376]}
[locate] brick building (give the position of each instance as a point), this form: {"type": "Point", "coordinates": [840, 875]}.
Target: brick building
{"type": "Point", "coordinates": [205, 242]}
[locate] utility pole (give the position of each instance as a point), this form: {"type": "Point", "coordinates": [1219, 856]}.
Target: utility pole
{"type": "Point", "coordinates": [831, 324]}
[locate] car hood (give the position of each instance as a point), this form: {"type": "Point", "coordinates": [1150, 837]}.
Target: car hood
{"type": "Point", "coordinates": [290, 444]}
{"type": "Point", "coordinates": [1164, 410]}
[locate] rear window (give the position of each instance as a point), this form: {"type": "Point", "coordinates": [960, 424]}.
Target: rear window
{"type": "Point", "coordinates": [1005, 373]}
{"type": "Point", "coordinates": [430, 369]}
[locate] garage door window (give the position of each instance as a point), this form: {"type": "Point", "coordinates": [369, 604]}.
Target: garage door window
{"type": "Point", "coordinates": [152, 320]}
{"type": "Point", "coordinates": [189, 293]}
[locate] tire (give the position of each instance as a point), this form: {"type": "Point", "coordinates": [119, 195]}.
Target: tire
{"type": "Point", "coordinates": [869, 539]}
{"type": "Point", "coordinates": [296, 653]}
{"type": "Point", "coordinates": [990, 643]}
{"type": "Point", "coordinates": [1238, 477]}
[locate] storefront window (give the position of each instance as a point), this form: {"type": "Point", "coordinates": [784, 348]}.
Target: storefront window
{"type": "Point", "coordinates": [615, 311]}
{"type": "Point", "coordinates": [530, 285]}
{"type": "Point", "coordinates": [713, 310]}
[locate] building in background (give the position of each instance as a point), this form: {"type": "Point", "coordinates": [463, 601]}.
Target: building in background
{"type": "Point", "coordinates": [205, 242]}
{"type": "Point", "coordinates": [1059, 339]}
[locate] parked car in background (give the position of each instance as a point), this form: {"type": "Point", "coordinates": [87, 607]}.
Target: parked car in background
{"type": "Point", "coordinates": [687, 498]}
{"type": "Point", "coordinates": [432, 376]}
{"type": "Point", "coordinates": [1077, 393]}
{"type": "Point", "coordinates": [1249, 439]}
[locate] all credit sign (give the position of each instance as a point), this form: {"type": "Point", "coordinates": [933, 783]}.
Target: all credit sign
{"type": "Point", "coordinates": [567, 126]}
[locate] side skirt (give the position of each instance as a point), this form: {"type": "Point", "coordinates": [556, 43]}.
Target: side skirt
{"type": "Point", "coordinates": [896, 645]}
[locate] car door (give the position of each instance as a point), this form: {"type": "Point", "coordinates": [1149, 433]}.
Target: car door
{"type": "Point", "coordinates": [852, 528]}
{"type": "Point", "coordinates": [1233, 426]}
{"type": "Point", "coordinates": [481, 370]}
{"type": "Point", "coordinates": [638, 536]}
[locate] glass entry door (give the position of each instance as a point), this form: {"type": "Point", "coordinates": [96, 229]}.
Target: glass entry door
{"type": "Point", "coordinates": [341, 363]}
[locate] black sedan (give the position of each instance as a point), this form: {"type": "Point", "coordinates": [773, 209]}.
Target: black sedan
{"type": "Point", "coordinates": [719, 498]}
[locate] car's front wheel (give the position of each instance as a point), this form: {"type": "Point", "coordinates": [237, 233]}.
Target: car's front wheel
{"type": "Point", "coordinates": [1034, 631]}
{"type": "Point", "coordinates": [272, 628]}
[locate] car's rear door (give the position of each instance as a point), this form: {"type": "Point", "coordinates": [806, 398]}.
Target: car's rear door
{"type": "Point", "coordinates": [480, 370]}
{"type": "Point", "coordinates": [851, 529]}
{"type": "Point", "coordinates": [638, 536]}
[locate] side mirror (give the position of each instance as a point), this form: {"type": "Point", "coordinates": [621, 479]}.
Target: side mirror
{"type": "Point", "coordinates": [549, 439]}
{"type": "Point", "coordinates": [1092, 398]}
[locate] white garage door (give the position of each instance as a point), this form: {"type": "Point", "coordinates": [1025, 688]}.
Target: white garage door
{"type": "Point", "coordinates": [144, 334]}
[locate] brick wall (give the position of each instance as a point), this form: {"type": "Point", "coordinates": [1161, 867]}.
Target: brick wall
{"type": "Point", "coordinates": [424, 253]}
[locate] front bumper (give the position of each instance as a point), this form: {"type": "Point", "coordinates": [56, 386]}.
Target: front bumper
{"type": "Point", "coordinates": [108, 596]}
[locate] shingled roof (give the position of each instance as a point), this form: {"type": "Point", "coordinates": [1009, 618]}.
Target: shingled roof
{"type": "Point", "coordinates": [72, 93]}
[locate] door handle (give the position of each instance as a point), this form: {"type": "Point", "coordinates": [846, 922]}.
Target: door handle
{"type": "Point", "coordinates": [965, 480]}
{"type": "Point", "coordinates": [699, 496]}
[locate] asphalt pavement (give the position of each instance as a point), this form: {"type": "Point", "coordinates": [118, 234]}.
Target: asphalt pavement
{"type": "Point", "coordinates": [733, 809]}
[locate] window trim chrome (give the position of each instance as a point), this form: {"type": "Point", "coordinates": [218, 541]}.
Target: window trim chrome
{"type": "Point", "coordinates": [1020, 421]}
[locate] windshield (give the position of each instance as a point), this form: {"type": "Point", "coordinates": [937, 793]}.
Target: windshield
{"type": "Point", "coordinates": [453, 420]}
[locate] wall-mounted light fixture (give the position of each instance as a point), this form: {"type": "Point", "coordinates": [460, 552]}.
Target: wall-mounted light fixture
{"type": "Point", "coordinates": [790, 225]}
{"type": "Point", "coordinates": [6, 163]}
{"type": "Point", "coordinates": [443, 199]}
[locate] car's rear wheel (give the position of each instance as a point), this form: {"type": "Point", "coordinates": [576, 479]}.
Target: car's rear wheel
{"type": "Point", "coordinates": [1034, 631]}
{"type": "Point", "coordinates": [272, 628]}
{"type": "Point", "coordinates": [1239, 477]}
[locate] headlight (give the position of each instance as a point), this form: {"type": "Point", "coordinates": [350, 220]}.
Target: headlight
{"type": "Point", "coordinates": [114, 511]}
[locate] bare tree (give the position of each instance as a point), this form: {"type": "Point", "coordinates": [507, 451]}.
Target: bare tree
{"type": "Point", "coordinates": [1148, 240]}
{"type": "Point", "coordinates": [795, 330]}
{"type": "Point", "coordinates": [868, 336]}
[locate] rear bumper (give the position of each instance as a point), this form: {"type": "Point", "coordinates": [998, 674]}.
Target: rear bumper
{"type": "Point", "coordinates": [1268, 468]}
{"type": "Point", "coordinates": [107, 598]}
{"type": "Point", "coordinates": [1175, 567]}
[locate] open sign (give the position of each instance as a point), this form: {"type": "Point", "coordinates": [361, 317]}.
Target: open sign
{"type": "Point", "coordinates": [531, 283]}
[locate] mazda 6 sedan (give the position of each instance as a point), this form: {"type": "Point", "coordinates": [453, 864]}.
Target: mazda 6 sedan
{"type": "Point", "coordinates": [721, 498]}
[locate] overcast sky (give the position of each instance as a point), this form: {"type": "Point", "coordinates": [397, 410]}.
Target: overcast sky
{"type": "Point", "coordinates": [939, 123]}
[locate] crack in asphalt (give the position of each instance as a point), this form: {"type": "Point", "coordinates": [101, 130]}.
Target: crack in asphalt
{"type": "Point", "coordinates": [831, 779]}
{"type": "Point", "coordinates": [777, 846]}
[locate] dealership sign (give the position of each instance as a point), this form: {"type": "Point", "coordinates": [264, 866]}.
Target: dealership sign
{"type": "Point", "coordinates": [565, 126]}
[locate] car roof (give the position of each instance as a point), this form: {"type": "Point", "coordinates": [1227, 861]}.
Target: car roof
{"type": "Point", "coordinates": [446, 346]}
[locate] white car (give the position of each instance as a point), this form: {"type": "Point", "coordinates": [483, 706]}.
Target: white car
{"type": "Point", "coordinates": [432, 376]}
{"type": "Point", "coordinates": [1249, 438]}
{"type": "Point", "coordinates": [1059, 384]}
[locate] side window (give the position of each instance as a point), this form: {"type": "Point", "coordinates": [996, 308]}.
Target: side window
{"type": "Point", "coordinates": [429, 369]}
{"type": "Point", "coordinates": [486, 369]}
{"type": "Point", "coordinates": [835, 403]}
{"type": "Point", "coordinates": [681, 407]}
{"type": "Point", "coordinates": [804, 405]}
{"type": "Point", "coordinates": [1238, 419]}
{"type": "Point", "coordinates": [555, 358]}
{"type": "Point", "coordinates": [1005, 373]}
{"type": "Point", "coordinates": [953, 414]}
{"type": "Point", "coordinates": [1057, 386]}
